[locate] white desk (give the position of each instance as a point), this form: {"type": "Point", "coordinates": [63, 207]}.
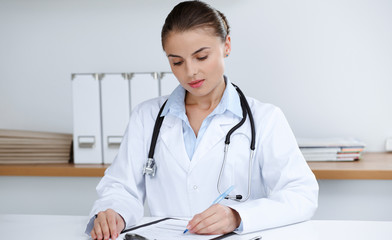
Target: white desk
{"type": "Point", "coordinates": [54, 227]}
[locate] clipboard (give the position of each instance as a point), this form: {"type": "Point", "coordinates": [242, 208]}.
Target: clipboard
{"type": "Point", "coordinates": [165, 219]}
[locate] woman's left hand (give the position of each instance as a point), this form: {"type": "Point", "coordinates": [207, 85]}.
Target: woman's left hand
{"type": "Point", "coordinates": [217, 219]}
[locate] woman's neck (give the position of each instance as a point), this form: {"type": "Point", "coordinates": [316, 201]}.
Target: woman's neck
{"type": "Point", "coordinates": [209, 101]}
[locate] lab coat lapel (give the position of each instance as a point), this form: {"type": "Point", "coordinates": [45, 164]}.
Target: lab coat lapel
{"type": "Point", "coordinates": [172, 137]}
{"type": "Point", "coordinates": [213, 135]}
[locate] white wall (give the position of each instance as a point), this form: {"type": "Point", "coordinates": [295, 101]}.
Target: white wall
{"type": "Point", "coordinates": [327, 64]}
{"type": "Point", "coordinates": [338, 199]}
{"type": "Point", "coordinates": [47, 195]}
{"type": "Point", "coordinates": [355, 200]}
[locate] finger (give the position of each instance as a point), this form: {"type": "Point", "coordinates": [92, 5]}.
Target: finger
{"type": "Point", "coordinates": [97, 230]}
{"type": "Point", "coordinates": [104, 227]}
{"type": "Point", "coordinates": [223, 220]}
{"type": "Point", "coordinates": [198, 218]}
{"type": "Point", "coordinates": [206, 213]}
{"type": "Point", "coordinates": [111, 219]}
{"type": "Point", "coordinates": [214, 228]}
{"type": "Point", "coordinates": [207, 225]}
{"type": "Point", "coordinates": [93, 235]}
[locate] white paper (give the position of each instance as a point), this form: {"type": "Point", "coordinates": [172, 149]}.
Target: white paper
{"type": "Point", "coordinates": [168, 230]}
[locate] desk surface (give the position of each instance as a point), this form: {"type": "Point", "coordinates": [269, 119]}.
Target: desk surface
{"type": "Point", "coordinates": [371, 166]}
{"type": "Point", "coordinates": [49, 227]}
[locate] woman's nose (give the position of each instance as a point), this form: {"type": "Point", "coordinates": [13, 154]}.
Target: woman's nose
{"type": "Point", "coordinates": [192, 69]}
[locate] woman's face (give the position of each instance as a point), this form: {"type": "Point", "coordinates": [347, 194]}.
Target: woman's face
{"type": "Point", "coordinates": [196, 58]}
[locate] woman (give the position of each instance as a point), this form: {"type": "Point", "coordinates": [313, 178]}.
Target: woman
{"type": "Point", "coordinates": [189, 148]}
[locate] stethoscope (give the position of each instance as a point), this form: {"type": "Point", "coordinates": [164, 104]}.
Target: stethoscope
{"type": "Point", "coordinates": [150, 166]}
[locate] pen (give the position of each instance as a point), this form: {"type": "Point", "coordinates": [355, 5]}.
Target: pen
{"type": "Point", "coordinates": [218, 199]}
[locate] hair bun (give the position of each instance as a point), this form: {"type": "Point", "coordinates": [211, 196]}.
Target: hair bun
{"type": "Point", "coordinates": [190, 15]}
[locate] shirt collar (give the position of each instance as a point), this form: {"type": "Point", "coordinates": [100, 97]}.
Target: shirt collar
{"type": "Point", "coordinates": [230, 101]}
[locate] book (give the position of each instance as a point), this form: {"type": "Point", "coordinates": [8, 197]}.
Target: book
{"type": "Point", "coordinates": [320, 150]}
{"type": "Point", "coordinates": [330, 142]}
{"type": "Point", "coordinates": [21, 147]}
{"type": "Point", "coordinates": [331, 149]}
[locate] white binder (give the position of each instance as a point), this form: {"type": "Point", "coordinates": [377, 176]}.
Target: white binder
{"type": "Point", "coordinates": [115, 113]}
{"type": "Point", "coordinates": [168, 83]}
{"type": "Point", "coordinates": [102, 104]}
{"type": "Point", "coordinates": [86, 119]}
{"type": "Point", "coordinates": [144, 86]}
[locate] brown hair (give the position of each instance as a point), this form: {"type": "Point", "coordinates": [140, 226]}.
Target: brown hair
{"type": "Point", "coordinates": [194, 14]}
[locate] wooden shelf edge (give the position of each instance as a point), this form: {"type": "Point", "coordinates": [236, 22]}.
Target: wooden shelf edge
{"type": "Point", "coordinates": [373, 165]}
{"type": "Point", "coordinates": [353, 175]}
{"type": "Point", "coordinates": [377, 166]}
{"type": "Point", "coordinates": [54, 170]}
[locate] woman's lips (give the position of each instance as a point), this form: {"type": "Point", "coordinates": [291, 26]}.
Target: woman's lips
{"type": "Point", "coordinates": [196, 83]}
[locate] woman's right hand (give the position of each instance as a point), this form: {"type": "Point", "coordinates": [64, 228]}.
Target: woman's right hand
{"type": "Point", "coordinates": [108, 224]}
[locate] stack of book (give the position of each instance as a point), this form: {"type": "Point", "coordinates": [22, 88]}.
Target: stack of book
{"type": "Point", "coordinates": [331, 149]}
{"type": "Point", "coordinates": [24, 147]}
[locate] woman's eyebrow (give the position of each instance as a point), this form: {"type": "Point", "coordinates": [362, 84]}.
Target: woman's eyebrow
{"type": "Point", "coordinates": [172, 55]}
{"type": "Point", "coordinates": [197, 51]}
{"type": "Point", "coordinates": [201, 49]}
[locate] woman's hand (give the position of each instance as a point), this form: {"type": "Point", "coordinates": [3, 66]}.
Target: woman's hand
{"type": "Point", "coordinates": [108, 224]}
{"type": "Point", "coordinates": [217, 219]}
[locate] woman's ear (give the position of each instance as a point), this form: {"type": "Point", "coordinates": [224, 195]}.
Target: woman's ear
{"type": "Point", "coordinates": [227, 46]}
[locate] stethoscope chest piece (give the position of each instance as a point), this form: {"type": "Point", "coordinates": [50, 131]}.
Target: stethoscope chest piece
{"type": "Point", "coordinates": [150, 167]}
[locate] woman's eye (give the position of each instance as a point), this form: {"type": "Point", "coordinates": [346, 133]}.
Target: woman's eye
{"type": "Point", "coordinates": [177, 63]}
{"type": "Point", "coordinates": [202, 58]}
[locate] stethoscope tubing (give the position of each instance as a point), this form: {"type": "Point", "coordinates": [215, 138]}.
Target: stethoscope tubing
{"type": "Point", "coordinates": [150, 166]}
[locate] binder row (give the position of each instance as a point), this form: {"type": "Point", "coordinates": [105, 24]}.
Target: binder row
{"type": "Point", "coordinates": [102, 103]}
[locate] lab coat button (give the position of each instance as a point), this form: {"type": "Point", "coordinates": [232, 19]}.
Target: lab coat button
{"type": "Point", "coordinates": [195, 187]}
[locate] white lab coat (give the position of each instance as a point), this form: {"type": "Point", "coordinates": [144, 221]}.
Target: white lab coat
{"type": "Point", "coordinates": [283, 189]}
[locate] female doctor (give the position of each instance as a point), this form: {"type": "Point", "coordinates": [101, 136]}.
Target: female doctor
{"type": "Point", "coordinates": [276, 184]}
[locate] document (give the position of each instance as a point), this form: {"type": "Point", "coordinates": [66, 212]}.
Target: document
{"type": "Point", "coordinates": [171, 229]}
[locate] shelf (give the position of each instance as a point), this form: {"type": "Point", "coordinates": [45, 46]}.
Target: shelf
{"type": "Point", "coordinates": [54, 170]}
{"type": "Point", "coordinates": [371, 166]}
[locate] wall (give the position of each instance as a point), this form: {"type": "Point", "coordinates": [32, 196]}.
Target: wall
{"type": "Point", "coordinates": [338, 199]}
{"type": "Point", "coordinates": [355, 200]}
{"type": "Point", "coordinates": [325, 63]}
{"type": "Point", "coordinates": [47, 195]}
